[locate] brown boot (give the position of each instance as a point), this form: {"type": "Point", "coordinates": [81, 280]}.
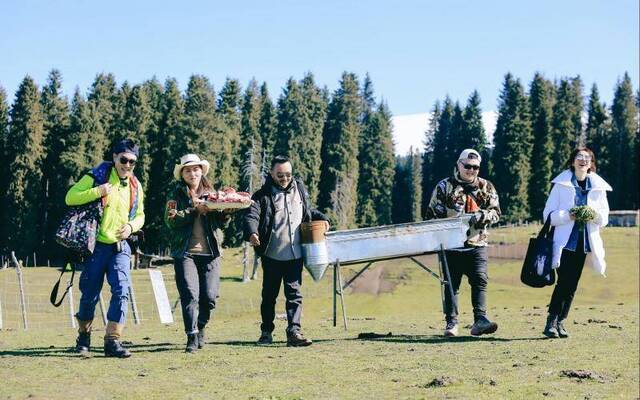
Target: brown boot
{"type": "Point", "coordinates": [83, 341]}
{"type": "Point", "coordinates": [112, 345]}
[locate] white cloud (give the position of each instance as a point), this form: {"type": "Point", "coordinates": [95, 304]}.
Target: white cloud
{"type": "Point", "coordinates": [409, 130]}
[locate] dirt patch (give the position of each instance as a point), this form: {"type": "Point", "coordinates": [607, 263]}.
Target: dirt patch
{"type": "Point", "coordinates": [442, 381]}
{"type": "Point", "coordinates": [581, 375]}
{"type": "Point", "coordinates": [373, 281]}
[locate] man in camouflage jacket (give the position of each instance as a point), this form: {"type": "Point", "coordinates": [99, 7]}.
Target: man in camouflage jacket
{"type": "Point", "coordinates": [466, 193]}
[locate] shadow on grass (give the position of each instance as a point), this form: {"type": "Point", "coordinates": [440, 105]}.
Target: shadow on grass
{"type": "Point", "coordinates": [68, 351]}
{"type": "Point", "coordinates": [252, 343]}
{"type": "Point", "coordinates": [435, 339]}
{"type": "Point", "coordinates": [230, 279]}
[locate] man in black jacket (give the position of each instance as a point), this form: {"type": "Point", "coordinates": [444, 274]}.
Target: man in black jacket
{"type": "Point", "coordinates": [272, 226]}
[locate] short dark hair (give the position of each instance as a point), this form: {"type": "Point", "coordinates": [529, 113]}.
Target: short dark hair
{"type": "Point", "coordinates": [574, 153]}
{"type": "Point", "coordinates": [279, 160]}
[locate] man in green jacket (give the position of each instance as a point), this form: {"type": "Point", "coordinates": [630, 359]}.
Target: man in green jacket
{"type": "Point", "coordinates": [114, 184]}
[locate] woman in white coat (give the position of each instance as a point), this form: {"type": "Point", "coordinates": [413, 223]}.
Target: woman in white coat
{"type": "Point", "coordinates": [575, 242]}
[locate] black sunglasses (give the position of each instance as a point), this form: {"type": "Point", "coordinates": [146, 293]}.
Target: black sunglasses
{"type": "Point", "coordinates": [469, 166]}
{"type": "Point", "coordinates": [125, 160]}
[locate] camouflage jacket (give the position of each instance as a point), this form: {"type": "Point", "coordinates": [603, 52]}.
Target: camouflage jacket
{"type": "Point", "coordinates": [453, 198]}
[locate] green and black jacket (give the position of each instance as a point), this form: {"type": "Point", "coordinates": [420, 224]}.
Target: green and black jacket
{"type": "Point", "coordinates": [182, 223]}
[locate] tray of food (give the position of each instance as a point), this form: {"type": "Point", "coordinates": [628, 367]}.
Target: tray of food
{"type": "Point", "coordinates": [227, 198]}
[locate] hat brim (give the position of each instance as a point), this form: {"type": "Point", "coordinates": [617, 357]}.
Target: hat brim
{"type": "Point", "coordinates": [177, 170]}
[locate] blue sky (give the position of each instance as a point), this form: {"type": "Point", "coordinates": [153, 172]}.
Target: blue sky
{"type": "Point", "coordinates": [415, 51]}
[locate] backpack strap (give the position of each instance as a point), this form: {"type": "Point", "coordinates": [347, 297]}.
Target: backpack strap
{"type": "Point", "coordinates": [54, 291]}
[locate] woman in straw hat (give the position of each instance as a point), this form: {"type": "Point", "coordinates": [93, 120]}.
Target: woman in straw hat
{"type": "Point", "coordinates": [196, 245]}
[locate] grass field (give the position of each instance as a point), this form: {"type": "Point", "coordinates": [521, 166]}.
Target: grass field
{"type": "Point", "coordinates": [599, 360]}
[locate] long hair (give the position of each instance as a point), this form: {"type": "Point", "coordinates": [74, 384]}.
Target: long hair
{"type": "Point", "coordinates": [574, 153]}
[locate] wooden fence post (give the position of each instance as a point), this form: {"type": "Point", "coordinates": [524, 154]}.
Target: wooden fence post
{"type": "Point", "coordinates": [23, 305]}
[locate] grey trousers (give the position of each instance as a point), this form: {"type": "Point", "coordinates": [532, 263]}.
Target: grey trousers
{"type": "Point", "coordinates": [198, 281]}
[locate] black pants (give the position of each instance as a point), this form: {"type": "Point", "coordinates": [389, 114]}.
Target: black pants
{"type": "Point", "coordinates": [275, 272]}
{"type": "Point", "coordinates": [198, 281]}
{"type": "Point", "coordinates": [473, 264]}
{"type": "Point", "coordinates": [569, 272]}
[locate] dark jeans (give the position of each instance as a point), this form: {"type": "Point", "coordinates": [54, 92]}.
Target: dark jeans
{"type": "Point", "coordinates": [275, 272]}
{"type": "Point", "coordinates": [198, 281]}
{"type": "Point", "coordinates": [569, 272]}
{"type": "Point", "coordinates": [473, 264]}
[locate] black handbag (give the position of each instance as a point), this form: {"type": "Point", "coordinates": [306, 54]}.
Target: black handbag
{"type": "Point", "coordinates": [537, 268]}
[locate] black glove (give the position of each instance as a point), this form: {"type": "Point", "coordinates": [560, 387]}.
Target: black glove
{"type": "Point", "coordinates": [477, 220]}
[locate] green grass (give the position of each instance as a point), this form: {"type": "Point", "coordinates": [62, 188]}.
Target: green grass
{"type": "Point", "coordinates": [514, 363]}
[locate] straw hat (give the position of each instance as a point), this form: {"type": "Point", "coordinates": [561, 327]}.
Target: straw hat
{"type": "Point", "coordinates": [188, 160]}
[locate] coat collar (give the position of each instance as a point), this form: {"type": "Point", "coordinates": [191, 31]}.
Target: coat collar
{"type": "Point", "coordinates": [597, 183]}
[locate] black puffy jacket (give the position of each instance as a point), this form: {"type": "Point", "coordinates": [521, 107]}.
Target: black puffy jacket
{"type": "Point", "coordinates": [259, 217]}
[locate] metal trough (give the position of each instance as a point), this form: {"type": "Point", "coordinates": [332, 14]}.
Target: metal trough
{"type": "Point", "coordinates": [368, 245]}
{"type": "Point", "coordinates": [391, 241]}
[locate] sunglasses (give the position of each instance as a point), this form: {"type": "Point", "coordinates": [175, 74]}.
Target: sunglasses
{"type": "Point", "coordinates": [469, 166]}
{"type": "Point", "coordinates": [581, 157]}
{"type": "Point", "coordinates": [125, 160]}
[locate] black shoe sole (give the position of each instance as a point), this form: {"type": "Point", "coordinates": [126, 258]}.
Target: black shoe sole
{"type": "Point", "coordinates": [299, 344]}
{"type": "Point", "coordinates": [551, 335]}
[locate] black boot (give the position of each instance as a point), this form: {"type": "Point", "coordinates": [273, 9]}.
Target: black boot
{"type": "Point", "coordinates": [192, 343]}
{"type": "Point", "coordinates": [83, 343]}
{"type": "Point", "coordinates": [551, 329]}
{"type": "Point", "coordinates": [201, 337]}
{"type": "Point", "coordinates": [562, 332]}
{"type": "Point", "coordinates": [113, 348]}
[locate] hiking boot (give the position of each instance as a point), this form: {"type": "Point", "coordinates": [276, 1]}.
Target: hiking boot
{"type": "Point", "coordinates": [562, 332]}
{"type": "Point", "coordinates": [451, 329]}
{"type": "Point", "coordinates": [113, 348]}
{"type": "Point", "coordinates": [265, 338]}
{"type": "Point", "coordinates": [551, 328]}
{"type": "Point", "coordinates": [83, 343]}
{"type": "Point", "coordinates": [296, 339]}
{"type": "Point", "coordinates": [483, 326]}
{"type": "Point", "coordinates": [192, 343]}
{"type": "Point", "coordinates": [201, 338]}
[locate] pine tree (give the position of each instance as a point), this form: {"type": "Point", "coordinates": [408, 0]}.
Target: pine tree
{"type": "Point", "coordinates": [4, 181]}
{"type": "Point", "coordinates": [541, 99]}
{"type": "Point", "coordinates": [511, 154]}
{"type": "Point", "coordinates": [624, 128]}
{"type": "Point", "coordinates": [377, 165]}
{"type": "Point", "coordinates": [428, 178]}
{"type": "Point", "coordinates": [473, 134]}
{"type": "Point", "coordinates": [200, 128]}
{"type": "Point", "coordinates": [229, 112]}
{"type": "Point", "coordinates": [290, 118]}
{"type": "Point", "coordinates": [136, 125]}
{"type": "Point", "coordinates": [598, 132]}
{"type": "Point", "coordinates": [26, 155]}
{"type": "Point", "coordinates": [456, 134]}
{"type": "Point", "coordinates": [107, 102]}
{"type": "Point", "coordinates": [166, 152]}
{"type": "Point", "coordinates": [414, 181]}
{"type": "Point", "coordinates": [339, 177]}
{"type": "Point", "coordinates": [267, 126]}
{"type": "Point", "coordinates": [368, 98]}
{"type": "Point", "coordinates": [444, 156]}
{"type": "Point", "coordinates": [567, 121]}
{"type": "Point", "coordinates": [80, 152]}
{"type": "Point", "coordinates": [250, 139]}
{"type": "Point", "coordinates": [401, 209]}
{"type": "Point", "coordinates": [56, 123]}
{"type": "Point", "coordinates": [407, 188]}
{"type": "Point", "coordinates": [307, 144]}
